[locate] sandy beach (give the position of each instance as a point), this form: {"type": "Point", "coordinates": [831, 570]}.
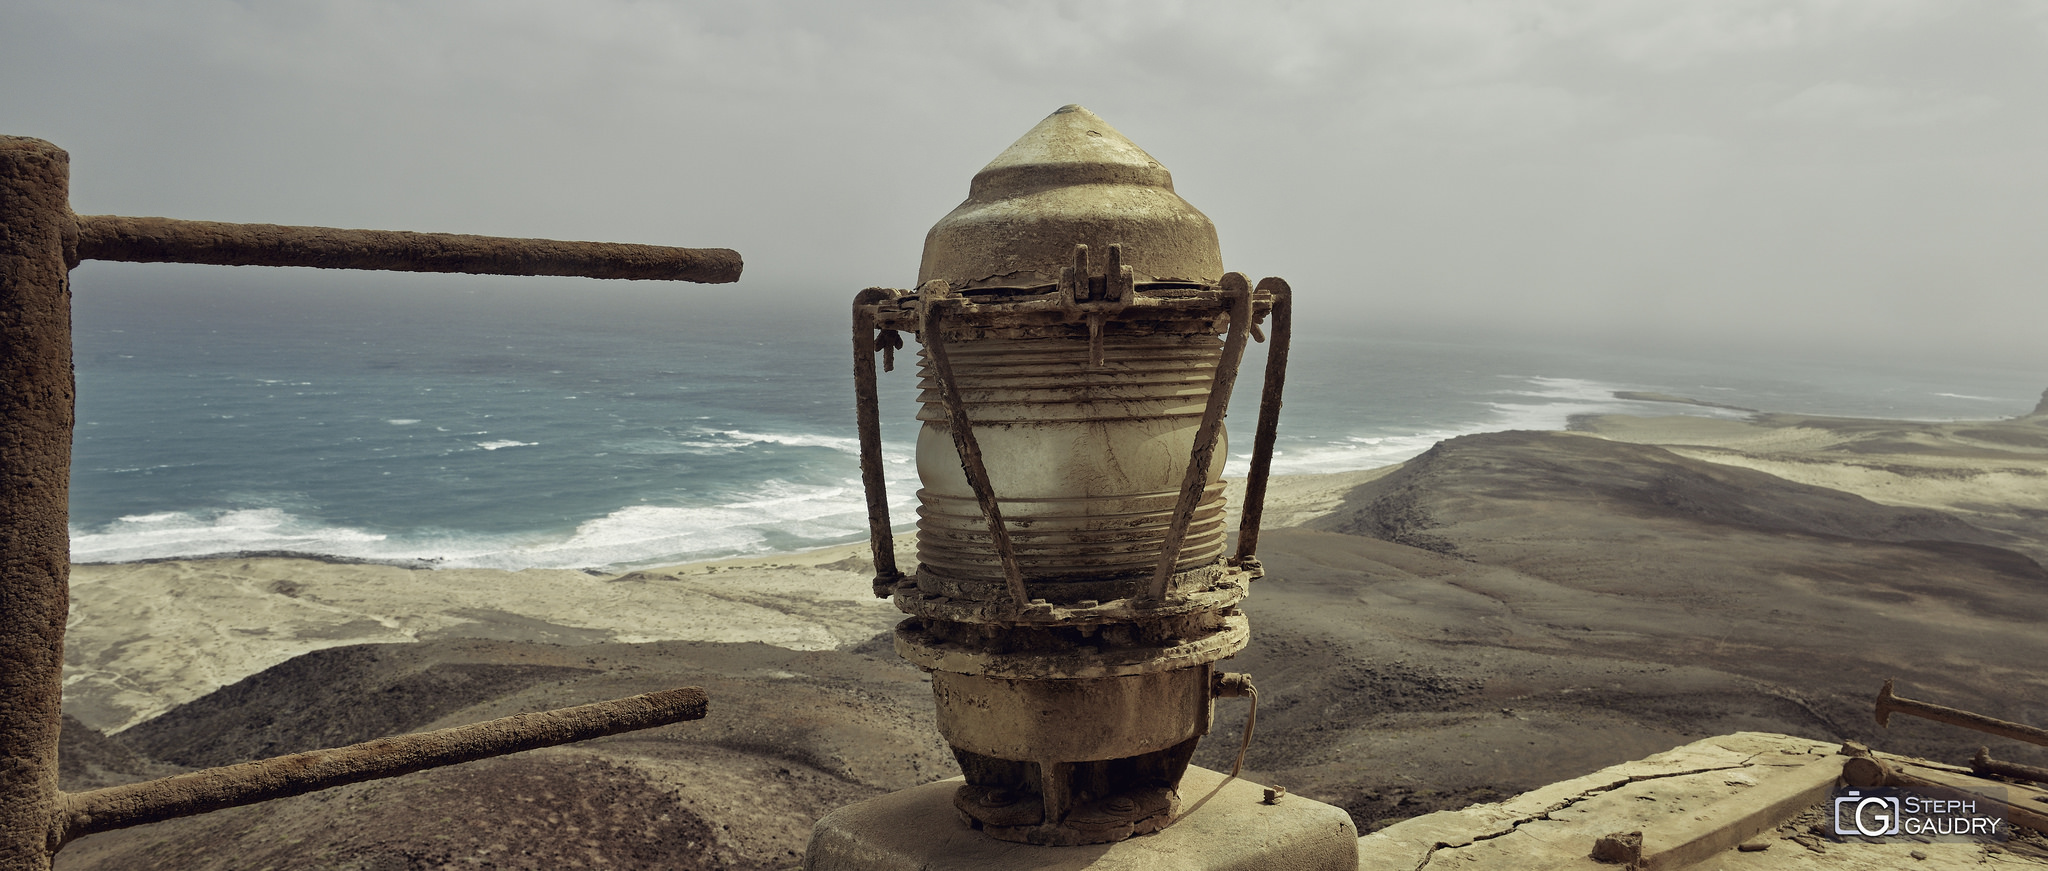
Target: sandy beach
{"type": "Point", "coordinates": [1507, 610]}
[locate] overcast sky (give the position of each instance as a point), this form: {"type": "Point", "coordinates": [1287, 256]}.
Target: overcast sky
{"type": "Point", "coordinates": [1866, 174]}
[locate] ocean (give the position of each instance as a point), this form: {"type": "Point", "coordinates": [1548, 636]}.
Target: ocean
{"type": "Point", "coordinates": [520, 423]}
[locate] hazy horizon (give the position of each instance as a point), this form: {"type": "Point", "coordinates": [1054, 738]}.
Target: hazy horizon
{"type": "Point", "coordinates": [1858, 178]}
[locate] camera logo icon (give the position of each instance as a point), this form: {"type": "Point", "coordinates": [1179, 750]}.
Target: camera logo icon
{"type": "Point", "coordinates": [1871, 816]}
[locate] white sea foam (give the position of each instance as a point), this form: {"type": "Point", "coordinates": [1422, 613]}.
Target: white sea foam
{"type": "Point", "coordinates": [705, 441]}
{"type": "Point", "coordinates": [157, 517]}
{"type": "Point", "coordinates": [180, 533]}
{"type": "Point", "coordinates": [1340, 455]}
{"type": "Point", "coordinates": [843, 444]}
{"type": "Point", "coordinates": [402, 421]}
{"type": "Point", "coordinates": [1531, 403]}
{"type": "Point", "coordinates": [778, 515]}
{"type": "Point", "coordinates": [505, 443]}
{"type": "Point", "coordinates": [1561, 399]}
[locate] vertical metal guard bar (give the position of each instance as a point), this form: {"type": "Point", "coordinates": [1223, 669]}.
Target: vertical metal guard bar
{"type": "Point", "coordinates": [867, 414]}
{"type": "Point", "coordinates": [1269, 420]}
{"type": "Point", "coordinates": [1239, 292]}
{"type": "Point", "coordinates": [37, 235]}
{"type": "Point", "coordinates": [970, 452]}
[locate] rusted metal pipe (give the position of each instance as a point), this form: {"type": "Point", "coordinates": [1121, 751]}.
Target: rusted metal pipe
{"type": "Point", "coordinates": [1982, 763]}
{"type": "Point", "coordinates": [1887, 704]}
{"type": "Point", "coordinates": [40, 241]}
{"type": "Point", "coordinates": [198, 792]}
{"type": "Point", "coordinates": [36, 404]}
{"type": "Point", "coordinates": [166, 240]}
{"type": "Point", "coordinates": [1269, 421]}
{"type": "Point", "coordinates": [1238, 290]}
{"type": "Point", "coordinates": [868, 419]}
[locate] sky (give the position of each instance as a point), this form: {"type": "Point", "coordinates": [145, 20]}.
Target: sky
{"type": "Point", "coordinates": [1862, 176]}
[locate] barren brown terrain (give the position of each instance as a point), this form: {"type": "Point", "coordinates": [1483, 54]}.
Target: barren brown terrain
{"type": "Point", "coordinates": [1505, 611]}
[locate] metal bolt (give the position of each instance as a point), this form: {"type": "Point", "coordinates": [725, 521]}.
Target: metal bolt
{"type": "Point", "coordinates": [996, 798]}
{"type": "Point", "coordinates": [1121, 805]}
{"type": "Point", "coordinates": [1231, 685]}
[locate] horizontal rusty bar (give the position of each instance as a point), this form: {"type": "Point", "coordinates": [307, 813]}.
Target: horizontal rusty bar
{"type": "Point", "coordinates": [198, 792]}
{"type": "Point", "coordinates": [167, 240]}
{"type": "Point", "coordinates": [1888, 704]}
{"type": "Point", "coordinates": [1982, 763]}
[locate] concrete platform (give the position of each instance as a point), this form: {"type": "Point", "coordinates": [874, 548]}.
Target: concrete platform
{"type": "Point", "coordinates": [1226, 826]}
{"type": "Point", "coordinates": [1696, 805]}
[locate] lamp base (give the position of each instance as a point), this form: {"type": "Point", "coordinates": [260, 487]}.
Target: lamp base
{"type": "Point", "coordinates": [1225, 825]}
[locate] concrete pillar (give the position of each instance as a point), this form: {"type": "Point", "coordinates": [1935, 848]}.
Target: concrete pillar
{"type": "Point", "coordinates": [38, 235]}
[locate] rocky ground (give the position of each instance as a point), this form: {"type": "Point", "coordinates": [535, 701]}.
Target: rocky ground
{"type": "Point", "coordinates": [1506, 611]}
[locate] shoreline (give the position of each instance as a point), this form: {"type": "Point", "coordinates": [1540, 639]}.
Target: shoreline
{"type": "Point", "coordinates": [621, 539]}
{"type": "Point", "coordinates": [1288, 496]}
{"type": "Point", "coordinates": [1293, 496]}
{"type": "Point", "coordinates": [151, 634]}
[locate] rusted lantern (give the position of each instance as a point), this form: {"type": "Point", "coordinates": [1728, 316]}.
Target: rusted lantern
{"type": "Point", "coordinates": [1073, 595]}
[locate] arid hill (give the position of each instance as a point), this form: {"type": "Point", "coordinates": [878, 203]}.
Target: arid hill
{"type": "Point", "coordinates": [1502, 612]}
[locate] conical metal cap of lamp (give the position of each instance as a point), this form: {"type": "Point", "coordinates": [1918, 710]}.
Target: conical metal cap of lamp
{"type": "Point", "coordinates": [1073, 179]}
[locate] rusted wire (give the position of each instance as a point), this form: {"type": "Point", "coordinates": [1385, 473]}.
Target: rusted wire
{"type": "Point", "coordinates": [868, 418]}
{"type": "Point", "coordinates": [1251, 722]}
{"type": "Point", "coordinates": [1269, 422]}
{"type": "Point", "coordinates": [970, 451]}
{"type": "Point", "coordinates": [198, 792]}
{"type": "Point", "coordinates": [1238, 290]}
{"type": "Point", "coordinates": [167, 240]}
